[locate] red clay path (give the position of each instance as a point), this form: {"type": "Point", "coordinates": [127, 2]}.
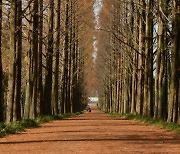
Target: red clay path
{"type": "Point", "coordinates": [92, 133]}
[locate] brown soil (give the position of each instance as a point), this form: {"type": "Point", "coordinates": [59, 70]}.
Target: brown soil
{"type": "Point", "coordinates": [92, 133]}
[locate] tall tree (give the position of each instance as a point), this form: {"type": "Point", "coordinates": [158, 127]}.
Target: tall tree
{"type": "Point", "coordinates": [40, 105]}
{"type": "Point", "coordinates": [135, 58]}
{"type": "Point", "coordinates": [35, 88]}
{"type": "Point", "coordinates": [140, 82]}
{"type": "Point", "coordinates": [18, 64]}
{"type": "Point", "coordinates": [49, 60]}
{"type": "Point", "coordinates": [174, 100]}
{"type": "Point", "coordinates": [31, 88]}
{"type": "Point", "coordinates": [14, 79]}
{"type": "Point", "coordinates": [148, 70]}
{"type": "Point", "coordinates": [66, 57]}
{"type": "Point", "coordinates": [55, 90]}
{"type": "Point", "coordinates": [1, 71]}
{"type": "Point", "coordinates": [11, 77]}
{"type": "Point", "coordinates": [161, 64]}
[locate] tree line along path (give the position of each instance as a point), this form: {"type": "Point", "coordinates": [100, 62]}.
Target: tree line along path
{"type": "Point", "coordinates": [94, 133]}
{"type": "Point", "coordinates": [56, 54]}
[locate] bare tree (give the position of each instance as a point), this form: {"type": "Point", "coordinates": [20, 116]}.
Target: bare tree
{"type": "Point", "coordinates": [49, 60]}
{"type": "Point", "coordinates": [1, 71]}
{"type": "Point", "coordinates": [174, 100]}
{"type": "Point", "coordinates": [32, 76]}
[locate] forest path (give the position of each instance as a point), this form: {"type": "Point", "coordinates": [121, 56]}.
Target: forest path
{"type": "Point", "coordinates": [92, 133]}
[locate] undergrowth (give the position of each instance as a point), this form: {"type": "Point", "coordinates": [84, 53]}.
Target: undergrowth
{"type": "Point", "coordinates": [19, 126]}
{"type": "Point", "coordinates": [166, 125]}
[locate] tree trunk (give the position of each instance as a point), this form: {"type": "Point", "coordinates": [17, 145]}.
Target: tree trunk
{"type": "Point", "coordinates": [11, 76]}
{"type": "Point", "coordinates": [140, 82]}
{"type": "Point", "coordinates": [135, 59]}
{"type": "Point", "coordinates": [174, 100]}
{"type": "Point", "coordinates": [40, 105]}
{"type": "Point", "coordinates": [18, 65]}
{"type": "Point", "coordinates": [55, 91]}
{"type": "Point", "coordinates": [49, 55]}
{"type": "Point", "coordinates": [148, 72]}
{"type": "Point", "coordinates": [161, 65]}
{"type": "Point", "coordinates": [31, 87]}
{"type": "Point", "coordinates": [1, 71]}
{"type": "Point", "coordinates": [66, 53]}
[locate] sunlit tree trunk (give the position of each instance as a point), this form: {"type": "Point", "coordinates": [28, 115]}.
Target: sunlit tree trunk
{"type": "Point", "coordinates": [135, 60]}
{"type": "Point", "coordinates": [55, 91]}
{"type": "Point", "coordinates": [148, 72]}
{"type": "Point", "coordinates": [11, 76]}
{"type": "Point", "coordinates": [140, 82]}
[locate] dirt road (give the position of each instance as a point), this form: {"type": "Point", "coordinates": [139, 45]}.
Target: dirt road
{"type": "Point", "coordinates": [92, 133]}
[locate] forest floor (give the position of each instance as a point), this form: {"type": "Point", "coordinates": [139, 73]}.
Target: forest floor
{"type": "Point", "coordinates": [92, 133]}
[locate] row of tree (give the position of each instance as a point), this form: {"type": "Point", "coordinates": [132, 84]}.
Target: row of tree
{"type": "Point", "coordinates": [42, 57]}
{"type": "Point", "coordinates": [138, 64]}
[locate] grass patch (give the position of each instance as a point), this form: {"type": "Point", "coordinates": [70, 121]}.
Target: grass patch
{"type": "Point", "coordinates": [14, 127]}
{"type": "Point", "coordinates": [166, 125]}
{"type": "Point", "coordinates": [19, 126]}
{"type": "Point", "coordinates": [68, 115]}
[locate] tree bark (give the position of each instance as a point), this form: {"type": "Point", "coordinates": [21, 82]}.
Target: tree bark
{"type": "Point", "coordinates": [1, 71]}
{"type": "Point", "coordinates": [49, 58]}
{"type": "Point", "coordinates": [161, 65]}
{"type": "Point", "coordinates": [11, 76]}
{"type": "Point", "coordinates": [31, 87]}
{"type": "Point", "coordinates": [40, 105]}
{"type": "Point", "coordinates": [18, 64]}
{"type": "Point", "coordinates": [55, 91]}
{"type": "Point", "coordinates": [174, 100]}
{"type": "Point", "coordinates": [140, 82]}
{"type": "Point", "coordinates": [135, 59]}
{"type": "Point", "coordinates": [66, 53]}
{"type": "Point", "coordinates": [148, 72]}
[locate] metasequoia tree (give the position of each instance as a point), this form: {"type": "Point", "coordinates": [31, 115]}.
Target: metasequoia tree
{"type": "Point", "coordinates": [46, 57]}
{"type": "Point", "coordinates": [174, 100]}
{"type": "Point", "coordinates": [10, 95]}
{"type": "Point", "coordinates": [49, 60]}
{"type": "Point", "coordinates": [1, 71]}
{"type": "Point", "coordinates": [65, 70]}
{"type": "Point", "coordinates": [40, 105]}
{"type": "Point", "coordinates": [135, 32]}
{"type": "Point", "coordinates": [138, 49]}
{"type": "Point", "coordinates": [74, 55]}
{"type": "Point", "coordinates": [140, 79]}
{"type": "Point", "coordinates": [31, 87]}
{"type": "Point", "coordinates": [18, 62]}
{"type": "Point", "coordinates": [14, 78]}
{"type": "Point", "coordinates": [134, 68]}
{"type": "Point", "coordinates": [55, 90]}
{"type": "Point", "coordinates": [161, 64]}
{"type": "Point", "coordinates": [148, 69]}
{"type": "Point", "coordinates": [67, 51]}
